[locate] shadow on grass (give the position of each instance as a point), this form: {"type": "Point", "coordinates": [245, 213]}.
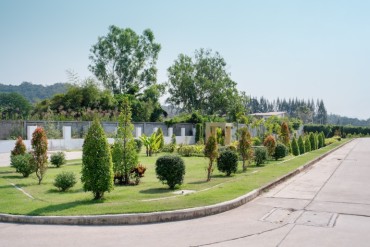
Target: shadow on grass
{"type": "Point", "coordinates": [63, 206]}
{"type": "Point", "coordinates": [155, 191]}
{"type": "Point", "coordinates": [8, 186]}
{"type": "Point", "coordinates": [198, 182]}
{"type": "Point", "coordinates": [6, 172]}
{"type": "Point", "coordinates": [70, 191]}
{"type": "Point", "coordinates": [13, 177]}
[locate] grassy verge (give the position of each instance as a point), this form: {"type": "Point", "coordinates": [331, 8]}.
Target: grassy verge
{"type": "Point", "coordinates": [149, 196]}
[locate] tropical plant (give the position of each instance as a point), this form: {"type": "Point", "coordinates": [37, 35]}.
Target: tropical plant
{"type": "Point", "coordinates": [97, 167]}
{"type": "Point", "coordinates": [161, 137]}
{"type": "Point", "coordinates": [151, 143]}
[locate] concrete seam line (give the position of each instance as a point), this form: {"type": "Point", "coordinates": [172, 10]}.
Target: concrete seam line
{"type": "Point", "coordinates": [157, 217]}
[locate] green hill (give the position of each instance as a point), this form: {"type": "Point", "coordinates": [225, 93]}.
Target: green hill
{"type": "Point", "coordinates": [35, 92]}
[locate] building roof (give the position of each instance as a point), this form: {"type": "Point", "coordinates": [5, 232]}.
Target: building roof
{"type": "Point", "coordinates": [269, 114]}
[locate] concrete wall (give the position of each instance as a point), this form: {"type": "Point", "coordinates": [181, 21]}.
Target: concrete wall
{"type": "Point", "coordinates": [67, 143]}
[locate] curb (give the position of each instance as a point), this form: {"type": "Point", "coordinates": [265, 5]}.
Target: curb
{"type": "Point", "coordinates": [157, 217]}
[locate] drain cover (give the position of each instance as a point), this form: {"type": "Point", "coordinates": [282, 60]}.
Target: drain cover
{"type": "Point", "coordinates": [282, 215]}
{"type": "Point", "coordinates": [321, 219]}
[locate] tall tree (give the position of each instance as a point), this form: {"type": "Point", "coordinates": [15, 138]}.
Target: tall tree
{"type": "Point", "coordinates": [245, 146]}
{"type": "Point", "coordinates": [14, 106]}
{"type": "Point", "coordinates": [201, 83]}
{"type": "Point", "coordinates": [125, 155]}
{"type": "Point", "coordinates": [322, 115]}
{"type": "Point", "coordinates": [285, 134]}
{"type": "Point", "coordinates": [124, 61]}
{"type": "Point", "coordinates": [97, 168]}
{"type": "Point", "coordinates": [211, 151]}
{"type": "Point", "coordinates": [39, 145]}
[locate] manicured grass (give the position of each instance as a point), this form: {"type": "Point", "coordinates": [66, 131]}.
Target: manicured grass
{"type": "Point", "coordinates": [149, 196]}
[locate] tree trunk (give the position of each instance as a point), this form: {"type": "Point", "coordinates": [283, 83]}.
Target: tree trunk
{"type": "Point", "coordinates": [244, 166]}
{"type": "Point", "coordinates": [209, 172]}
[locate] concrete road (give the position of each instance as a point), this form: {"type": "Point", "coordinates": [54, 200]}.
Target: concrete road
{"type": "Point", "coordinates": [328, 205]}
{"type": "Point", "coordinates": [70, 155]}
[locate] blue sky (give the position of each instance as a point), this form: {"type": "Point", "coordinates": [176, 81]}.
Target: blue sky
{"type": "Point", "coordinates": [304, 49]}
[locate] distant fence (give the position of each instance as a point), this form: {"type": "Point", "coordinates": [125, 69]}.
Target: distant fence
{"type": "Point", "coordinates": [12, 129]}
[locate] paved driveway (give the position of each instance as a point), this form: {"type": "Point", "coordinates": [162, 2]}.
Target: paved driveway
{"type": "Point", "coordinates": [328, 205]}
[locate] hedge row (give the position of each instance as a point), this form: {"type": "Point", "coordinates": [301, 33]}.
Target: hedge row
{"type": "Point", "coordinates": [331, 130]}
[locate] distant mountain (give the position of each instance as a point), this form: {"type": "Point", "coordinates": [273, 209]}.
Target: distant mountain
{"type": "Point", "coordinates": [340, 120]}
{"type": "Point", "coordinates": [35, 92]}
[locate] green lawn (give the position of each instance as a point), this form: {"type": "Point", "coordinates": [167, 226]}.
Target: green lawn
{"type": "Point", "coordinates": [149, 196]}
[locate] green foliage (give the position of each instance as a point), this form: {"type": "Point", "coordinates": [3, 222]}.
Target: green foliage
{"type": "Point", "coordinates": [199, 133]}
{"type": "Point", "coordinates": [245, 146]}
{"type": "Point", "coordinates": [227, 162]}
{"type": "Point", "coordinates": [139, 145]}
{"type": "Point", "coordinates": [307, 144]}
{"type": "Point", "coordinates": [58, 159]}
{"type": "Point", "coordinates": [332, 130]}
{"type": "Point", "coordinates": [270, 144]}
{"type": "Point", "coordinates": [313, 141]}
{"type": "Point", "coordinates": [39, 145]}
{"type": "Point", "coordinates": [151, 143]}
{"type": "Point", "coordinates": [321, 140]}
{"type": "Point", "coordinates": [295, 147]}
{"type": "Point", "coordinates": [169, 148]}
{"type": "Point", "coordinates": [97, 167]}
{"type": "Point", "coordinates": [301, 145]}
{"type": "Point", "coordinates": [65, 180]}
{"type": "Point", "coordinates": [22, 164]}
{"type": "Point", "coordinates": [137, 173]}
{"type": "Point", "coordinates": [124, 61]}
{"type": "Point", "coordinates": [14, 106]}
{"type": "Point", "coordinates": [280, 151]}
{"type": "Point", "coordinates": [203, 84]}
{"type": "Point", "coordinates": [256, 141]}
{"type": "Point", "coordinates": [260, 155]}
{"type": "Point", "coordinates": [220, 134]}
{"type": "Point", "coordinates": [161, 137]}
{"type": "Point", "coordinates": [285, 134]}
{"type": "Point", "coordinates": [170, 170]}
{"type": "Point", "coordinates": [19, 148]}
{"type": "Point", "coordinates": [211, 152]}
{"type": "Point", "coordinates": [52, 132]}
{"type": "Point", "coordinates": [125, 148]}
{"type": "Point", "coordinates": [173, 139]}
{"type": "Point", "coordinates": [191, 150]}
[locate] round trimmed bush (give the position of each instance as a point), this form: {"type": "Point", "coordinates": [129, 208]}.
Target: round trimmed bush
{"type": "Point", "coordinates": [23, 164]}
{"type": "Point", "coordinates": [170, 170]}
{"type": "Point", "coordinates": [227, 162]}
{"type": "Point", "coordinates": [58, 159]}
{"type": "Point", "coordinates": [260, 155]}
{"type": "Point", "coordinates": [280, 151]}
{"type": "Point", "coordinates": [65, 180]}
